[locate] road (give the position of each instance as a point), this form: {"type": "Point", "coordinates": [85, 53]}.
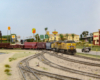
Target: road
{"type": "Point", "coordinates": [91, 52]}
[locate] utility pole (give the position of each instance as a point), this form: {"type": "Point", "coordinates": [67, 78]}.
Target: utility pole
{"type": "Point", "coordinates": [1, 36]}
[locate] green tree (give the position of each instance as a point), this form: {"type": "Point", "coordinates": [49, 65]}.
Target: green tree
{"type": "Point", "coordinates": [46, 29]}
{"type": "Point", "coordinates": [80, 36]}
{"type": "Point", "coordinates": [73, 36]}
{"type": "Point", "coordinates": [85, 33]}
{"type": "Point", "coordinates": [67, 36]}
{"type": "Point", "coordinates": [37, 37]}
{"type": "Point", "coordinates": [91, 34]}
{"type": "Point", "coordinates": [61, 36]}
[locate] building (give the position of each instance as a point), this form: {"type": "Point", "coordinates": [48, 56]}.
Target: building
{"type": "Point", "coordinates": [96, 38]}
{"type": "Point", "coordinates": [52, 37]}
{"type": "Point", "coordinates": [88, 38]}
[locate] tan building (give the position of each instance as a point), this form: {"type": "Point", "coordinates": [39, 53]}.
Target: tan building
{"type": "Point", "coordinates": [52, 37]}
{"type": "Point", "coordinates": [96, 38]}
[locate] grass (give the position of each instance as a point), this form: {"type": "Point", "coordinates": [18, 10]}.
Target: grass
{"type": "Point", "coordinates": [7, 66]}
{"type": "Point", "coordinates": [93, 48]}
{"type": "Point", "coordinates": [7, 70]}
{"type": "Point", "coordinates": [20, 55]}
{"type": "Point", "coordinates": [8, 73]}
{"type": "Point", "coordinates": [44, 68]}
{"type": "Point", "coordinates": [89, 55]}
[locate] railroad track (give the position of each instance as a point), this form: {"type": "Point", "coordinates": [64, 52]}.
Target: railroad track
{"type": "Point", "coordinates": [47, 62]}
{"type": "Point", "coordinates": [73, 60]}
{"type": "Point", "coordinates": [24, 66]}
{"type": "Point", "coordinates": [80, 56]}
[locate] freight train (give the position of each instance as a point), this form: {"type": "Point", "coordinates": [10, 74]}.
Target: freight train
{"type": "Point", "coordinates": [68, 47]}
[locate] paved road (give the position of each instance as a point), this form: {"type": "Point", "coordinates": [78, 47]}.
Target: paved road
{"type": "Point", "coordinates": [91, 52]}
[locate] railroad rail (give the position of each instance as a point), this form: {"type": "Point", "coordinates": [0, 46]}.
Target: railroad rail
{"type": "Point", "coordinates": [73, 60]}
{"type": "Point", "coordinates": [46, 61]}
{"type": "Point", "coordinates": [24, 65]}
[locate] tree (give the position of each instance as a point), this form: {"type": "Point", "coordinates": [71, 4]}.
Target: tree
{"type": "Point", "coordinates": [80, 36]}
{"type": "Point", "coordinates": [91, 34]}
{"type": "Point", "coordinates": [46, 29]}
{"type": "Point", "coordinates": [37, 37]}
{"type": "Point", "coordinates": [61, 36]}
{"type": "Point", "coordinates": [85, 33]}
{"type": "Point", "coordinates": [73, 36]}
{"type": "Point", "coordinates": [66, 36]}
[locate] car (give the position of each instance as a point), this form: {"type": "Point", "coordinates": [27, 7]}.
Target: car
{"type": "Point", "coordinates": [86, 49]}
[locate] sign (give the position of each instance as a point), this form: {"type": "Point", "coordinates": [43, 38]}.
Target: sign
{"type": "Point", "coordinates": [41, 36]}
{"type": "Point", "coordinates": [18, 37]}
{"type": "Point", "coordinates": [33, 30]}
{"type": "Point", "coordinates": [47, 32]}
{"type": "Point", "coordinates": [13, 36]}
{"type": "Point", "coordinates": [55, 32]}
{"type": "Point", "coordinates": [95, 35]}
{"type": "Point", "coordinates": [46, 36]}
{"type": "Point", "coordinates": [9, 28]}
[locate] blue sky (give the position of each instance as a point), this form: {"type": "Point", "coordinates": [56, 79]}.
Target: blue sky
{"type": "Point", "coordinates": [66, 16]}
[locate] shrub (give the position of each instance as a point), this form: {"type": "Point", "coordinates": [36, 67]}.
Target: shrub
{"type": "Point", "coordinates": [11, 59]}
{"type": "Point", "coordinates": [8, 73]}
{"type": "Point", "coordinates": [8, 66]}
{"type": "Point", "coordinates": [6, 70]}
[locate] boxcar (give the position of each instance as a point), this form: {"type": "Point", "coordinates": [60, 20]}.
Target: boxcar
{"type": "Point", "coordinates": [48, 45]}
{"type": "Point", "coordinates": [41, 45]}
{"type": "Point", "coordinates": [30, 45]}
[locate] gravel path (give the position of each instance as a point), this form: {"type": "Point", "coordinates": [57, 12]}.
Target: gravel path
{"type": "Point", "coordinates": [77, 58]}
{"type": "Point", "coordinates": [77, 66]}
{"type": "Point", "coordinates": [47, 68]}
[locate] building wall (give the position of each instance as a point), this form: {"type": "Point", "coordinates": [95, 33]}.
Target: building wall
{"type": "Point", "coordinates": [96, 38]}
{"type": "Point", "coordinates": [76, 38]}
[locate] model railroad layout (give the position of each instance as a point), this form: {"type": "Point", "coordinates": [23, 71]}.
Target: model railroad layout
{"type": "Point", "coordinates": [30, 73]}
{"type": "Point", "coordinates": [27, 70]}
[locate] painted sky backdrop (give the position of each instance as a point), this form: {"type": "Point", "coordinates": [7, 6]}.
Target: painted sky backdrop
{"type": "Point", "coordinates": [66, 16]}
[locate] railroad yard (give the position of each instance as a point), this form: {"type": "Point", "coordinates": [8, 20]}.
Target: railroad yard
{"type": "Point", "coordinates": [49, 65]}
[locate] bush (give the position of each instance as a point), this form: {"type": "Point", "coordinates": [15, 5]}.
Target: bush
{"type": "Point", "coordinates": [6, 70]}
{"type": "Point", "coordinates": [11, 59]}
{"type": "Point", "coordinates": [8, 66]}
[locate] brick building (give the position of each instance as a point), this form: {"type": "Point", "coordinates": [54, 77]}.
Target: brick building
{"type": "Point", "coordinates": [96, 38]}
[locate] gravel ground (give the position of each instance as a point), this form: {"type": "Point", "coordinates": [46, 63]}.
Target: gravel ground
{"type": "Point", "coordinates": [72, 65]}
{"type": "Point", "coordinates": [77, 58]}
{"type": "Point", "coordinates": [16, 74]}
{"type": "Point", "coordinates": [33, 63]}
{"type": "Point", "coordinates": [3, 61]}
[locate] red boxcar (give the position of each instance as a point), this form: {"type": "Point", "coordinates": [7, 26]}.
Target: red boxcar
{"type": "Point", "coordinates": [41, 45]}
{"type": "Point", "coordinates": [30, 45]}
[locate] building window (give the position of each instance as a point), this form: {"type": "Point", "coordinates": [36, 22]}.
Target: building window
{"type": "Point", "coordinates": [97, 40]}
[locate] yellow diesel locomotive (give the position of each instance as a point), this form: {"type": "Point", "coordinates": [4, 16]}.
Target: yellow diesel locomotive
{"type": "Point", "coordinates": [68, 47]}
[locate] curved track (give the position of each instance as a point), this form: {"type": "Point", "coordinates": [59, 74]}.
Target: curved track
{"type": "Point", "coordinates": [24, 66]}
{"type": "Point", "coordinates": [46, 61]}
{"type": "Point", "coordinates": [73, 60]}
